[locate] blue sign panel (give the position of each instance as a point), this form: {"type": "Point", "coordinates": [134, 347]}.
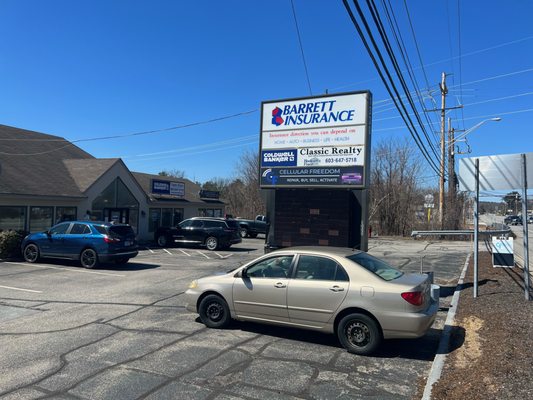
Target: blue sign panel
{"type": "Point", "coordinates": [160, 187]}
{"type": "Point", "coordinates": [279, 158]}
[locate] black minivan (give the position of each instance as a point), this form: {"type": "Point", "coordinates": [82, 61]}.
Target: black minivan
{"type": "Point", "coordinates": [213, 233]}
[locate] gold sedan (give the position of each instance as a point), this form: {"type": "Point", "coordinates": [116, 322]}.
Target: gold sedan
{"type": "Point", "coordinates": [356, 296]}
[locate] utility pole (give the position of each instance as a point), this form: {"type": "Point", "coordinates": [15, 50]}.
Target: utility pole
{"type": "Point", "coordinates": [444, 92]}
{"type": "Point", "coordinates": [451, 171]}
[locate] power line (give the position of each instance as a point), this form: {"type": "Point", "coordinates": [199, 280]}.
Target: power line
{"type": "Point", "coordinates": [389, 85]}
{"type": "Point", "coordinates": [301, 47]}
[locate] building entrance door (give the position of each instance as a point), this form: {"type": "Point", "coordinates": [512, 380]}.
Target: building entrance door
{"type": "Point", "coordinates": [120, 215]}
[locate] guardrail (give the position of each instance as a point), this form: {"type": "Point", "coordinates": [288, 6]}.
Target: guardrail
{"type": "Point", "coordinates": [460, 232]}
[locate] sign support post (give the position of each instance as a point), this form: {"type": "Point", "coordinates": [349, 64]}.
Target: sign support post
{"type": "Point", "coordinates": [525, 228]}
{"type": "Point", "coordinates": [476, 230]}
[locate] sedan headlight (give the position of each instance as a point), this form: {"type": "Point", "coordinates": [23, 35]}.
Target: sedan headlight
{"type": "Point", "coordinates": [193, 284]}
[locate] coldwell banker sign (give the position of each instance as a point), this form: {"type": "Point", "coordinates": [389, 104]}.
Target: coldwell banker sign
{"type": "Point", "coordinates": [315, 141]}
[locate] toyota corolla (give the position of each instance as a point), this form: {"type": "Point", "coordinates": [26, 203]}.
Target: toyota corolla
{"type": "Point", "coordinates": [352, 294]}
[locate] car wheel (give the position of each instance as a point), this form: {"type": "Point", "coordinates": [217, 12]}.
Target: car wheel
{"type": "Point", "coordinates": [31, 253]}
{"type": "Point", "coordinates": [162, 241]}
{"type": "Point", "coordinates": [244, 232]}
{"type": "Point", "coordinates": [359, 334]}
{"type": "Point", "coordinates": [89, 258]}
{"type": "Point", "coordinates": [211, 243]}
{"type": "Point", "coordinates": [214, 311]}
{"type": "Point", "coordinates": [122, 260]}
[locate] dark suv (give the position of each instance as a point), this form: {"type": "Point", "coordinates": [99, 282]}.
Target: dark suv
{"type": "Point", "coordinates": [213, 233]}
{"type": "Point", "coordinates": [89, 242]}
{"type": "Point", "coordinates": [513, 220]}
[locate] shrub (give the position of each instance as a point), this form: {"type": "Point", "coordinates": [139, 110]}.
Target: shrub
{"type": "Point", "coordinates": [10, 242]}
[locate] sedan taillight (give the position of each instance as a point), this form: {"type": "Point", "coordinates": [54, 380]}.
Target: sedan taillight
{"type": "Point", "coordinates": [414, 298]}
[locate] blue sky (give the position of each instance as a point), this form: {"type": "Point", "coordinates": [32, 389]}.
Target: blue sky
{"type": "Point", "coordinates": [85, 69]}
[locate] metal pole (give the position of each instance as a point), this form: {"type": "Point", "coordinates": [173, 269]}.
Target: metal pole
{"type": "Point", "coordinates": [524, 227]}
{"type": "Point", "coordinates": [476, 229]}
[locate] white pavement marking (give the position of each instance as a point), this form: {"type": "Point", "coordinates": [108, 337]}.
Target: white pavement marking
{"type": "Point", "coordinates": [168, 251]}
{"type": "Point", "coordinates": [223, 257]}
{"type": "Point", "coordinates": [205, 255]}
{"type": "Point", "coordinates": [218, 254]}
{"type": "Point", "coordinates": [23, 290]}
{"type": "Point", "coordinates": [150, 250]}
{"type": "Point", "coordinates": [63, 269]}
{"type": "Point", "coordinates": [187, 254]}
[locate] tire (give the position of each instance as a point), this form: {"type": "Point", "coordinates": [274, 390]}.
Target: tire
{"type": "Point", "coordinates": [214, 311]}
{"type": "Point", "coordinates": [211, 243]}
{"type": "Point", "coordinates": [122, 260]}
{"type": "Point", "coordinates": [31, 253]}
{"type": "Point", "coordinates": [162, 241]}
{"type": "Point", "coordinates": [243, 232]}
{"type": "Point", "coordinates": [89, 259]}
{"type": "Point", "coordinates": [359, 334]}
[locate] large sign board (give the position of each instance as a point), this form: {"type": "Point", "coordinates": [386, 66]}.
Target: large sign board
{"type": "Point", "coordinates": [168, 187]}
{"type": "Point", "coordinates": [316, 141]}
{"type": "Point", "coordinates": [499, 172]}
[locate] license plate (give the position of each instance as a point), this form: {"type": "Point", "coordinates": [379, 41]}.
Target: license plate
{"type": "Point", "coordinates": [127, 243]}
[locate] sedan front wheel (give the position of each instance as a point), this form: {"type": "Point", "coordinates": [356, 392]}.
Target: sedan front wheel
{"type": "Point", "coordinates": [214, 311]}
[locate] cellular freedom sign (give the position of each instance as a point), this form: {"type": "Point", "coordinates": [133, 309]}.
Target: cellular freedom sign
{"type": "Point", "coordinates": [315, 141]}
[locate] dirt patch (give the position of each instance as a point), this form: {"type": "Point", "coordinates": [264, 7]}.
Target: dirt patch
{"type": "Point", "coordinates": [492, 338]}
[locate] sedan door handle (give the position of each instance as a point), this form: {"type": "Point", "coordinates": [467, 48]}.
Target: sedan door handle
{"type": "Point", "coordinates": [280, 285]}
{"type": "Point", "coordinates": [336, 289]}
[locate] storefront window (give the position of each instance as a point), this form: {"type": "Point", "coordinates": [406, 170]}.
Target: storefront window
{"type": "Point", "coordinates": [210, 212]}
{"type": "Point", "coordinates": [12, 218]}
{"type": "Point", "coordinates": [65, 214]}
{"type": "Point", "coordinates": [155, 219]}
{"type": "Point", "coordinates": [41, 218]}
{"type": "Point", "coordinates": [166, 217]}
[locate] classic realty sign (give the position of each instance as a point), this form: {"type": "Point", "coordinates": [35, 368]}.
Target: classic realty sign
{"type": "Point", "coordinates": [315, 141]}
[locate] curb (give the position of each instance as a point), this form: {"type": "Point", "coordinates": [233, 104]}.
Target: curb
{"type": "Point", "coordinates": [438, 362]}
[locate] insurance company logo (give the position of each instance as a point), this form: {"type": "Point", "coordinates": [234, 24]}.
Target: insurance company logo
{"type": "Point", "coordinates": [269, 176]}
{"type": "Point", "coordinates": [276, 116]}
{"type": "Point", "coordinates": [311, 113]}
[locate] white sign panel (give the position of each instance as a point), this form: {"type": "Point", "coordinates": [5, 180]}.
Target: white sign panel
{"type": "Point", "coordinates": [502, 252]}
{"type": "Point", "coordinates": [499, 172]}
{"type": "Point", "coordinates": [325, 131]}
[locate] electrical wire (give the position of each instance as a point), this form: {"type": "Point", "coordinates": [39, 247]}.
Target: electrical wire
{"type": "Point", "coordinates": [391, 87]}
{"type": "Point", "coordinates": [301, 47]}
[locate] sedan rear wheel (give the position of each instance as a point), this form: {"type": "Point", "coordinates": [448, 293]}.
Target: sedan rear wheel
{"type": "Point", "coordinates": [31, 253]}
{"type": "Point", "coordinates": [214, 311]}
{"type": "Point", "coordinates": [359, 334]}
{"type": "Point", "coordinates": [89, 258]}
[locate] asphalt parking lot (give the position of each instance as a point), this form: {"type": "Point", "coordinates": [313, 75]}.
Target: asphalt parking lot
{"type": "Point", "coordinates": [123, 333]}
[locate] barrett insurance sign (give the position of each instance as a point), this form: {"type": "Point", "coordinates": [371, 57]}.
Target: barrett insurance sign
{"type": "Point", "coordinates": [315, 141]}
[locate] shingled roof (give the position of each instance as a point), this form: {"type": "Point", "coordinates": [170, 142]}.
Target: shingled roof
{"type": "Point", "coordinates": [33, 163]}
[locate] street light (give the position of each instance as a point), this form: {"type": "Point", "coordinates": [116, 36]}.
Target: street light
{"type": "Point", "coordinates": [463, 135]}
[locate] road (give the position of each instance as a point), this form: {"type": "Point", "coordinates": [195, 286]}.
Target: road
{"type": "Point", "coordinates": [124, 333]}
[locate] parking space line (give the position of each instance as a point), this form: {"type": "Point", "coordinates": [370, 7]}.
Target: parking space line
{"type": "Point", "coordinates": [64, 269]}
{"type": "Point", "coordinates": [22, 290]}
{"type": "Point", "coordinates": [205, 255]}
{"type": "Point", "coordinates": [168, 251]}
{"type": "Point", "coordinates": [187, 254]}
{"type": "Point", "coordinates": [150, 250]}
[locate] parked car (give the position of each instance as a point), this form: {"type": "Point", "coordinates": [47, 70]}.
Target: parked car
{"type": "Point", "coordinates": [251, 228]}
{"type": "Point", "coordinates": [530, 219]}
{"type": "Point", "coordinates": [89, 242]}
{"type": "Point", "coordinates": [213, 233]}
{"type": "Point", "coordinates": [356, 296]}
{"type": "Point", "coordinates": [513, 220]}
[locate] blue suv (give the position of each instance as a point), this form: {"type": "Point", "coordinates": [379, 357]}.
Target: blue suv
{"type": "Point", "coordinates": [89, 242]}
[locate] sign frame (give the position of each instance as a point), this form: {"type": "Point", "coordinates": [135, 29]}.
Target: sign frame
{"type": "Point", "coordinates": [285, 174]}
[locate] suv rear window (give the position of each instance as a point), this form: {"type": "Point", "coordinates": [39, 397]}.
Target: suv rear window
{"type": "Point", "coordinates": [232, 223]}
{"type": "Point", "coordinates": [121, 231]}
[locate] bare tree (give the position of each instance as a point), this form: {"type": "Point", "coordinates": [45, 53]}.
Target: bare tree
{"type": "Point", "coordinates": [393, 189]}
{"type": "Point", "coordinates": [174, 173]}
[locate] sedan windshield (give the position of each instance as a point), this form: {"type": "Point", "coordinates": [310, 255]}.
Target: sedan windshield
{"type": "Point", "coordinates": [376, 266]}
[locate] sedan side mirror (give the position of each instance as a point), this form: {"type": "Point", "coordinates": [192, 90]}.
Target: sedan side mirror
{"type": "Point", "coordinates": [241, 274]}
